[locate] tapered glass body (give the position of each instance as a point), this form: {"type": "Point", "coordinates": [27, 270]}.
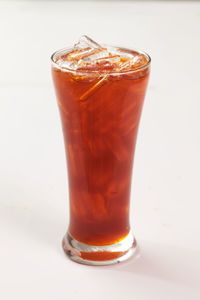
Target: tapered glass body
{"type": "Point", "coordinates": [100, 117]}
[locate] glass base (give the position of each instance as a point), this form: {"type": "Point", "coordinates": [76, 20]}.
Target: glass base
{"type": "Point", "coordinates": [99, 255]}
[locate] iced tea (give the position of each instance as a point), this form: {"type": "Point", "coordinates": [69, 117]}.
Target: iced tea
{"type": "Point", "coordinates": [100, 97]}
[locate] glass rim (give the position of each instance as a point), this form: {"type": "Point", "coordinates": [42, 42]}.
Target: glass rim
{"type": "Point", "coordinates": [87, 72]}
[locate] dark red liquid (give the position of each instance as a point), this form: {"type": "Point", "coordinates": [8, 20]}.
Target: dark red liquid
{"type": "Point", "coordinates": [100, 128]}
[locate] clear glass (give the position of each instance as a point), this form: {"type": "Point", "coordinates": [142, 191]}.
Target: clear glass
{"type": "Point", "coordinates": [100, 114]}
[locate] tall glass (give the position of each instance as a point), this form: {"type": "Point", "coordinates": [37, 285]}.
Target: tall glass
{"type": "Point", "coordinates": [100, 116]}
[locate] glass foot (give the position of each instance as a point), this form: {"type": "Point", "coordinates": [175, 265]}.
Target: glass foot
{"type": "Point", "coordinates": [99, 255]}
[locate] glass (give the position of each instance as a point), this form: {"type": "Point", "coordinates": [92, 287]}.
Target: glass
{"type": "Point", "coordinates": [100, 115]}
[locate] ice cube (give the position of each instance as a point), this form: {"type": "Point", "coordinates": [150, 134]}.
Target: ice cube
{"type": "Point", "coordinates": [96, 54]}
{"type": "Point", "coordinates": [87, 52]}
{"type": "Point", "coordinates": [132, 62]}
{"type": "Point", "coordinates": [86, 42]}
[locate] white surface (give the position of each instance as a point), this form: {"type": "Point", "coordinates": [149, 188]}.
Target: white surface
{"type": "Point", "coordinates": [33, 192]}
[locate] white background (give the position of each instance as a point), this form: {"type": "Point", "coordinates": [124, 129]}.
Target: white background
{"type": "Point", "coordinates": [33, 179]}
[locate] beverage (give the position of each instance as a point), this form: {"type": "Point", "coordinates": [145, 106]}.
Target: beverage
{"type": "Point", "coordinates": [100, 94]}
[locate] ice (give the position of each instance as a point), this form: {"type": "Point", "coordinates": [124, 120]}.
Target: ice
{"type": "Point", "coordinates": [89, 57]}
{"type": "Point", "coordinates": [87, 53]}
{"type": "Point", "coordinates": [132, 62]}
{"type": "Point", "coordinates": [85, 42]}
{"type": "Point", "coordinates": [84, 52]}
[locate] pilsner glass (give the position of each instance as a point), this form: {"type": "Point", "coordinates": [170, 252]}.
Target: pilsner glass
{"type": "Point", "coordinates": [100, 112]}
